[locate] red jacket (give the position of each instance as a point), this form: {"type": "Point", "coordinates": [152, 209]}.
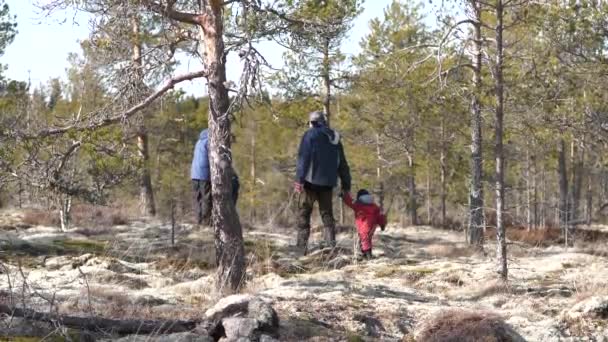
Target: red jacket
{"type": "Point", "coordinates": [367, 216]}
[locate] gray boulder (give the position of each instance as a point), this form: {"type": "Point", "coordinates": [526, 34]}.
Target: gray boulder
{"type": "Point", "coordinates": [595, 307]}
{"type": "Point", "coordinates": [242, 318]}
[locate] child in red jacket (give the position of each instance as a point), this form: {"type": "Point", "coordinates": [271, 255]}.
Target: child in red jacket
{"type": "Point", "coordinates": [368, 215]}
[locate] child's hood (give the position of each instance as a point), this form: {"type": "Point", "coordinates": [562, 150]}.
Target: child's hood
{"type": "Point", "coordinates": [366, 199]}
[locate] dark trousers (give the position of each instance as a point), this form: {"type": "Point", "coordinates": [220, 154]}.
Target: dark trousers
{"type": "Point", "coordinates": [201, 191]}
{"type": "Point", "coordinates": [307, 200]}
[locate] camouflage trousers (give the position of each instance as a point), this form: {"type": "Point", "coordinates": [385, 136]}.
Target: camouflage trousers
{"type": "Point", "coordinates": [305, 207]}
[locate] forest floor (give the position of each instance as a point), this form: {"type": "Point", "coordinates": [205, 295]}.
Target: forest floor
{"type": "Point", "coordinates": [132, 271]}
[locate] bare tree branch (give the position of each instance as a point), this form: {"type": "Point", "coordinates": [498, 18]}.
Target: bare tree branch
{"type": "Point", "coordinates": [121, 116]}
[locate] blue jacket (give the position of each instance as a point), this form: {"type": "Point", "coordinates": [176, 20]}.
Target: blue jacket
{"type": "Point", "coordinates": [321, 159]}
{"type": "Point", "coordinates": [200, 161]}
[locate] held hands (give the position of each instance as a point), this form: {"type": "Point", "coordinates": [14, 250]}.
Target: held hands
{"type": "Point", "coordinates": [342, 194]}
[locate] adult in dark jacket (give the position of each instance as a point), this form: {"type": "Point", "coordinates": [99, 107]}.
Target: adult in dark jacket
{"type": "Point", "coordinates": [321, 161]}
{"type": "Point", "coordinates": [201, 180]}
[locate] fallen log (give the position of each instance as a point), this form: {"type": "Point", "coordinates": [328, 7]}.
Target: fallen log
{"type": "Point", "coordinates": [106, 325]}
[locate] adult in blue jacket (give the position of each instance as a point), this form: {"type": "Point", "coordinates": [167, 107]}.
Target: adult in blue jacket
{"type": "Point", "coordinates": [201, 180]}
{"type": "Point", "coordinates": [321, 161]}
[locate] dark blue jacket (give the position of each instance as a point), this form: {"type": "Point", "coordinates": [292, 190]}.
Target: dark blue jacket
{"type": "Point", "coordinates": [200, 161]}
{"type": "Point", "coordinates": [321, 159]}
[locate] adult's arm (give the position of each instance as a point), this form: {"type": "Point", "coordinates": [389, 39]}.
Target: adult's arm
{"type": "Point", "coordinates": [348, 200]}
{"type": "Point", "coordinates": [343, 169]}
{"type": "Point", "coordinates": [304, 155]}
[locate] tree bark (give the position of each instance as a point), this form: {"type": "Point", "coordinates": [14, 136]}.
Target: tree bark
{"type": "Point", "coordinates": [443, 170]}
{"type": "Point", "coordinates": [411, 181]}
{"type": "Point", "coordinates": [230, 253]}
{"type": "Point", "coordinates": [65, 209]}
{"type": "Point", "coordinates": [529, 184]}
{"type": "Point", "coordinates": [578, 174]}
{"type": "Point", "coordinates": [534, 193]}
{"type": "Point", "coordinates": [252, 213]}
{"type": "Point", "coordinates": [326, 80]}
{"type": "Point", "coordinates": [326, 76]}
{"type": "Point", "coordinates": [99, 324]}
{"type": "Point", "coordinates": [589, 197]}
{"type": "Point", "coordinates": [379, 172]}
{"type": "Point", "coordinates": [476, 226]}
{"type": "Point", "coordinates": [146, 194]}
{"type": "Point", "coordinates": [147, 204]}
{"type": "Point", "coordinates": [500, 186]}
{"type": "Point", "coordinates": [563, 209]}
{"type": "Point", "coordinates": [428, 199]}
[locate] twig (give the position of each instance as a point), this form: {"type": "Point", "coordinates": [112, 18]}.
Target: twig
{"type": "Point", "coordinates": [86, 282]}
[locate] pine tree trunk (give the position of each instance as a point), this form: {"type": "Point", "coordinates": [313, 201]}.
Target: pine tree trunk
{"type": "Point", "coordinates": [326, 81]}
{"type": "Point", "coordinates": [411, 181]}
{"type": "Point", "coordinates": [528, 189]}
{"type": "Point", "coordinates": [535, 220]}
{"type": "Point", "coordinates": [379, 172]}
{"type": "Point", "coordinates": [500, 190]}
{"type": "Point", "coordinates": [517, 201]}
{"type": "Point", "coordinates": [65, 208]}
{"type": "Point", "coordinates": [563, 208]}
{"type": "Point", "coordinates": [147, 205]}
{"type": "Point", "coordinates": [327, 103]}
{"type": "Point", "coordinates": [476, 215]}
{"type": "Point", "coordinates": [578, 174]}
{"type": "Point", "coordinates": [543, 198]}
{"type": "Point", "coordinates": [442, 163]}
{"type": "Point", "coordinates": [589, 206]}
{"type": "Point", "coordinates": [173, 222]}
{"type": "Point", "coordinates": [428, 198]}
{"type": "Point", "coordinates": [230, 253]}
{"type": "Point", "coordinates": [252, 213]}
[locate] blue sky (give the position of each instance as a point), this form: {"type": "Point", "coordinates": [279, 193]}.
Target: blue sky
{"type": "Point", "coordinates": [43, 43]}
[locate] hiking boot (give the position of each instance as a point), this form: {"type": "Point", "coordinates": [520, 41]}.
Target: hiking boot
{"type": "Point", "coordinates": [367, 255]}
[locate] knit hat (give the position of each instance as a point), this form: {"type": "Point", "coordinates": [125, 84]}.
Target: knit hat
{"type": "Point", "coordinates": [362, 192]}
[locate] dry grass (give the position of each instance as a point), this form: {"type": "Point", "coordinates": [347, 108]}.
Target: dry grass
{"type": "Point", "coordinates": [586, 287]}
{"type": "Point", "coordinates": [448, 251]}
{"type": "Point", "coordinates": [106, 302]}
{"type": "Point", "coordinates": [93, 220]}
{"type": "Point", "coordinates": [184, 258]}
{"type": "Point", "coordinates": [491, 288]}
{"type": "Point", "coordinates": [465, 326]}
{"type": "Point", "coordinates": [592, 248]}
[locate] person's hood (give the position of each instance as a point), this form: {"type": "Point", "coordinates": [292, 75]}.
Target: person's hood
{"type": "Point", "coordinates": [334, 136]}
{"type": "Point", "coordinates": [204, 134]}
{"type": "Point", "coordinates": [366, 199]}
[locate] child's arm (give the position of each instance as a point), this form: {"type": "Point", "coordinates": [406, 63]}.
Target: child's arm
{"type": "Point", "coordinates": [348, 200]}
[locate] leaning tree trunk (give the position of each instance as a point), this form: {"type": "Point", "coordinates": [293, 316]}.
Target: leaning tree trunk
{"type": "Point", "coordinates": [500, 184]}
{"type": "Point", "coordinates": [230, 253]}
{"type": "Point", "coordinates": [146, 194]}
{"type": "Point", "coordinates": [475, 230]}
